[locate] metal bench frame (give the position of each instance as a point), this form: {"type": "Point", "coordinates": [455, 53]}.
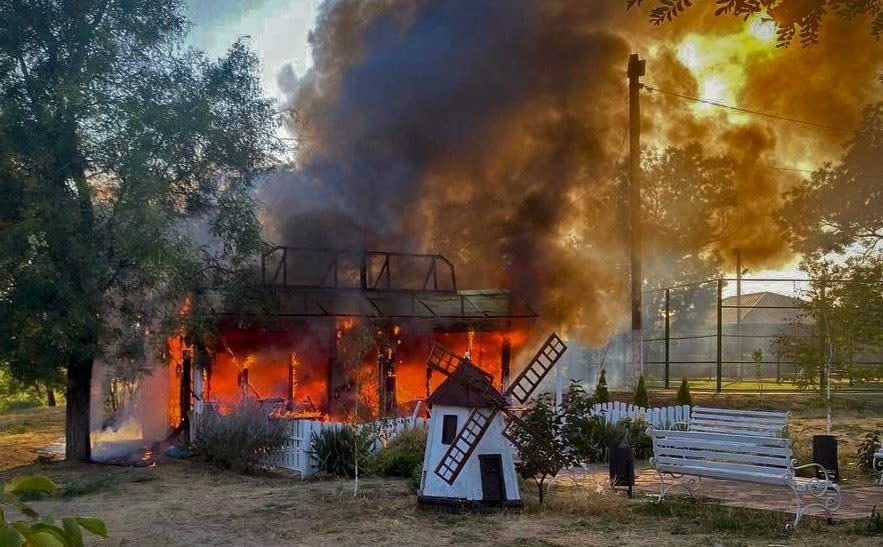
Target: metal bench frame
{"type": "Point", "coordinates": [877, 464]}
{"type": "Point", "coordinates": [743, 458]}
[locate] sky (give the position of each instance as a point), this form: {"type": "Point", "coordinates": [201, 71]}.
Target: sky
{"type": "Point", "coordinates": [278, 31]}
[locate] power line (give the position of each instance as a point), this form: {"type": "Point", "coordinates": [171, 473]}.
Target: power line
{"type": "Point", "coordinates": [749, 111]}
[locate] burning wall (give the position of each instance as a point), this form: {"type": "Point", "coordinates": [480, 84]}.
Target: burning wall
{"type": "Point", "coordinates": [313, 361]}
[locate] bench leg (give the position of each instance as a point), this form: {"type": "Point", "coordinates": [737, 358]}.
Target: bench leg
{"type": "Point", "coordinates": [691, 484]}
{"type": "Point", "coordinates": [827, 499]}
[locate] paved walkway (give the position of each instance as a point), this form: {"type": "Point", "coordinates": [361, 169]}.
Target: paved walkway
{"type": "Point", "coordinates": [859, 496]}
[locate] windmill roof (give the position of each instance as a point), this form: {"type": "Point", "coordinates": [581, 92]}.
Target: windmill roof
{"type": "Point", "coordinates": [468, 386]}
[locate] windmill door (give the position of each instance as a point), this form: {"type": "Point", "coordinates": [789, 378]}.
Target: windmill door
{"type": "Point", "coordinates": [492, 485]}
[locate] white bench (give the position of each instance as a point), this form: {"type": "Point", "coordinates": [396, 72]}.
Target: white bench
{"type": "Point", "coordinates": [745, 458]}
{"type": "Point", "coordinates": [745, 422]}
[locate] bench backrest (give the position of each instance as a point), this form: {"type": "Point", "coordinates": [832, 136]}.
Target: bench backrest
{"type": "Point", "coordinates": [726, 420]}
{"type": "Point", "coordinates": [751, 458]}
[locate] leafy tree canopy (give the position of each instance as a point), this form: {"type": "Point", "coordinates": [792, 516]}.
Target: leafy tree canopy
{"type": "Point", "coordinates": [126, 162]}
{"type": "Point", "coordinates": [801, 18]}
{"type": "Point", "coordinates": [840, 207]}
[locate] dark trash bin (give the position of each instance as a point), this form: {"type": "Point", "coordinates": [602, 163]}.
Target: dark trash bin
{"type": "Point", "coordinates": [824, 453]}
{"type": "Point", "coordinates": [622, 467]}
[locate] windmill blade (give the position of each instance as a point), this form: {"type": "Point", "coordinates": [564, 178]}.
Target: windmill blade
{"type": "Point", "coordinates": [446, 361]}
{"type": "Point", "coordinates": [443, 360]}
{"type": "Point", "coordinates": [455, 458]}
{"type": "Point", "coordinates": [524, 385]}
{"type": "Point", "coordinates": [546, 450]}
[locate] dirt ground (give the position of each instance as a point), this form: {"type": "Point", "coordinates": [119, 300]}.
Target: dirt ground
{"type": "Point", "coordinates": [23, 433]}
{"type": "Point", "coordinates": [187, 503]}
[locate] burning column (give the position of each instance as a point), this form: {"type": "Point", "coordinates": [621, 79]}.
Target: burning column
{"type": "Point", "coordinates": [292, 380]}
{"type": "Point", "coordinates": [386, 363]}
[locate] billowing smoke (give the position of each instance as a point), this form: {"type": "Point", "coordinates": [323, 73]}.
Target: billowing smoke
{"type": "Point", "coordinates": [494, 132]}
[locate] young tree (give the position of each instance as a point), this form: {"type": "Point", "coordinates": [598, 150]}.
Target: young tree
{"type": "Point", "coordinates": [640, 398]}
{"type": "Point", "coordinates": [684, 397]}
{"type": "Point", "coordinates": [542, 435]}
{"type": "Point", "coordinates": [601, 393]}
{"type": "Point", "coordinates": [117, 147]}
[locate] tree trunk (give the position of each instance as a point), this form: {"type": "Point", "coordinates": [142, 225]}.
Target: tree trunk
{"type": "Point", "coordinates": [50, 396]}
{"type": "Point", "coordinates": [77, 445]}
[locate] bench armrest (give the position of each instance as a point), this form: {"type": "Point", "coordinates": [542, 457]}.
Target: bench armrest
{"type": "Point", "coordinates": [815, 465]}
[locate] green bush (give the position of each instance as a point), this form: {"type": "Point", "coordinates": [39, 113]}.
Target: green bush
{"type": "Point", "coordinates": [865, 453]}
{"type": "Point", "coordinates": [403, 456]}
{"type": "Point", "coordinates": [641, 398]}
{"type": "Point", "coordinates": [36, 531]}
{"type": "Point", "coordinates": [639, 439]}
{"type": "Point", "coordinates": [601, 393]}
{"type": "Point", "coordinates": [581, 429]}
{"type": "Point", "coordinates": [335, 449]}
{"type": "Point", "coordinates": [684, 397]}
{"type": "Point", "coordinates": [239, 440]}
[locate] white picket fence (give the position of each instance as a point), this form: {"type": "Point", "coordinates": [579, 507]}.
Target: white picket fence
{"type": "Point", "coordinates": [660, 417]}
{"type": "Point", "coordinates": [295, 453]}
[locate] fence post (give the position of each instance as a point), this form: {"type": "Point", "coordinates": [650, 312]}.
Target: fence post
{"type": "Point", "coordinates": [720, 294]}
{"type": "Point", "coordinates": [667, 337]}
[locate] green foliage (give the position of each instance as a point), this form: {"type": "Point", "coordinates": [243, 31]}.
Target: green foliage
{"type": "Point", "coordinates": [865, 453]}
{"type": "Point", "coordinates": [845, 306]}
{"type": "Point", "coordinates": [601, 393]}
{"type": "Point", "coordinates": [14, 395]}
{"type": "Point", "coordinates": [336, 449]}
{"type": "Point", "coordinates": [118, 145]}
{"type": "Point", "coordinates": [641, 399]}
{"type": "Point", "coordinates": [580, 428]}
{"type": "Point", "coordinates": [874, 525]}
{"type": "Point", "coordinates": [639, 439]}
{"type": "Point", "coordinates": [794, 18]}
{"type": "Point", "coordinates": [543, 434]}
{"type": "Point", "coordinates": [684, 397]}
{"type": "Point", "coordinates": [838, 207]}
{"type": "Point", "coordinates": [36, 531]}
{"type": "Point", "coordinates": [403, 456]}
{"type": "Point", "coordinates": [239, 440]}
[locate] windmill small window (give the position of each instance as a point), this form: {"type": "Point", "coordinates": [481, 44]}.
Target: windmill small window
{"type": "Point", "coordinates": [449, 428]}
{"type": "Point", "coordinates": [473, 466]}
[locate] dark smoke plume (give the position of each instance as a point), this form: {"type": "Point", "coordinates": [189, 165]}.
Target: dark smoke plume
{"type": "Point", "coordinates": [493, 132]}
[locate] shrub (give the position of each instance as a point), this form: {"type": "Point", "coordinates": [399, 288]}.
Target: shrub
{"type": "Point", "coordinates": [543, 434]}
{"type": "Point", "coordinates": [403, 456]}
{"type": "Point", "coordinates": [239, 440]}
{"type": "Point", "coordinates": [641, 398]}
{"type": "Point", "coordinates": [336, 448]}
{"type": "Point", "coordinates": [684, 397]}
{"type": "Point", "coordinates": [601, 393]}
{"type": "Point", "coordinates": [865, 453]}
{"type": "Point", "coordinates": [639, 440]}
{"type": "Point", "coordinates": [36, 532]}
{"type": "Point", "coordinates": [581, 428]}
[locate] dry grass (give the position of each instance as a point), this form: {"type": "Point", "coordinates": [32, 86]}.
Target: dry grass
{"type": "Point", "coordinates": [24, 432]}
{"type": "Point", "coordinates": [187, 503]}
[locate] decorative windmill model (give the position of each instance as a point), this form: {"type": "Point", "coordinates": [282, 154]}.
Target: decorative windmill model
{"type": "Point", "coordinates": [473, 466]}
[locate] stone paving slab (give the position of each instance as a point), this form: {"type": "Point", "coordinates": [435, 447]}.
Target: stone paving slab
{"type": "Point", "coordinates": [858, 497]}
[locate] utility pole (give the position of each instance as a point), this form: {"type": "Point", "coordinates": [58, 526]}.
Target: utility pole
{"type": "Point", "coordinates": [635, 71]}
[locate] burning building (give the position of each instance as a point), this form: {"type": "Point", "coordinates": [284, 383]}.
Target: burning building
{"type": "Point", "coordinates": [345, 332]}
